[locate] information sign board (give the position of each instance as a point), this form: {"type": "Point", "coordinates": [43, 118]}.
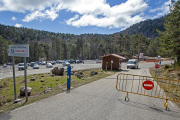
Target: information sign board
{"type": "Point", "coordinates": [19, 50]}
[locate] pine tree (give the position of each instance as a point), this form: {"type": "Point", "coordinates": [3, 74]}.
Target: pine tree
{"type": "Point", "coordinates": [170, 39]}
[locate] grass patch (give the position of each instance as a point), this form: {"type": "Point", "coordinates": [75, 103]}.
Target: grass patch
{"type": "Point", "coordinates": [56, 83]}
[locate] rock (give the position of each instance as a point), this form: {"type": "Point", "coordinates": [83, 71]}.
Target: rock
{"type": "Point", "coordinates": [22, 91]}
{"type": "Point", "coordinates": [94, 73]}
{"type": "Point", "coordinates": [65, 83]}
{"type": "Point", "coordinates": [57, 79]}
{"type": "Point", "coordinates": [72, 73]}
{"type": "Point", "coordinates": [42, 75]}
{"type": "Point", "coordinates": [52, 75]}
{"type": "Point", "coordinates": [32, 79]}
{"type": "Point", "coordinates": [80, 73]}
{"type": "Point", "coordinates": [57, 71]}
{"type": "Point", "coordinates": [1, 86]}
{"type": "Point", "coordinates": [42, 80]}
{"type": "Point", "coordinates": [60, 86]}
{"type": "Point", "coordinates": [48, 89]}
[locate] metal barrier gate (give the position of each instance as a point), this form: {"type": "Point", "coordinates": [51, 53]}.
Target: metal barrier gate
{"type": "Point", "coordinates": [161, 88]}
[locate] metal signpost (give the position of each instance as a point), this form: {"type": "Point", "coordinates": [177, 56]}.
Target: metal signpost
{"type": "Point", "coordinates": [68, 77]}
{"type": "Point", "coordinates": [111, 64]}
{"type": "Point", "coordinates": [156, 67]}
{"type": "Point", "coordinates": [106, 66]}
{"type": "Point", "coordinates": [19, 51]}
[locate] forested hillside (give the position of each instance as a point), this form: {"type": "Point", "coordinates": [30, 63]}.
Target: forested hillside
{"type": "Point", "coordinates": [55, 46]}
{"type": "Point", "coordinates": [147, 27]}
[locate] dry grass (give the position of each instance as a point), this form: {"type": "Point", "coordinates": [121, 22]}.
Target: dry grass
{"type": "Point", "coordinates": [37, 93]}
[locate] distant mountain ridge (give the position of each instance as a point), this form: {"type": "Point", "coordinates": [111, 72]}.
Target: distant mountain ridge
{"type": "Point", "coordinates": [147, 27]}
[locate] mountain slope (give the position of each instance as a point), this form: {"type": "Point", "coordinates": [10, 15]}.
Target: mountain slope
{"type": "Point", "coordinates": [147, 27]}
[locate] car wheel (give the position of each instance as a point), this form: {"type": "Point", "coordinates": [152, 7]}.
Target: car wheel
{"type": "Point", "coordinates": [127, 67]}
{"type": "Point", "coordinates": [137, 67]}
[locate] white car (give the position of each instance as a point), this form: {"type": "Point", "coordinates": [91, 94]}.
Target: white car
{"type": "Point", "coordinates": [43, 63]}
{"type": "Point", "coordinates": [66, 63]}
{"type": "Point", "coordinates": [48, 65]}
{"type": "Point", "coordinates": [21, 66]}
{"type": "Point", "coordinates": [132, 63]}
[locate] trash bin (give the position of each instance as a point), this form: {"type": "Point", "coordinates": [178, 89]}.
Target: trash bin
{"type": "Point", "coordinates": [83, 62]}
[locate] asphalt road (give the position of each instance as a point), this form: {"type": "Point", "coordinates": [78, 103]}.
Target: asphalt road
{"type": "Point", "coordinates": [98, 100]}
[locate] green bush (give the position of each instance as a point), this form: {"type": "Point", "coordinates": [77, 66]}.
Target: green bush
{"type": "Point", "coordinates": [166, 66]}
{"type": "Point", "coordinates": [178, 74]}
{"type": "Point", "coordinates": [176, 66]}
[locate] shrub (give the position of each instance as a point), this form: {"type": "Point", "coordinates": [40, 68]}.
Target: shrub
{"type": "Point", "coordinates": [166, 66]}
{"type": "Point", "coordinates": [178, 74]}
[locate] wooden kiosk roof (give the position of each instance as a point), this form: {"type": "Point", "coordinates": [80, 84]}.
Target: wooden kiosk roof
{"type": "Point", "coordinates": [115, 55]}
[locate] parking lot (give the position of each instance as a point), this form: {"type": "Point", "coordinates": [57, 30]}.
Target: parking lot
{"type": "Point", "coordinates": [8, 72]}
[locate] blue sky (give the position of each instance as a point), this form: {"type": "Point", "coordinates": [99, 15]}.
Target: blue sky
{"type": "Point", "coordinates": [80, 16]}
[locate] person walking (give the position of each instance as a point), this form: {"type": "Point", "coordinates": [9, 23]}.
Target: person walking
{"type": "Point", "coordinates": [160, 62]}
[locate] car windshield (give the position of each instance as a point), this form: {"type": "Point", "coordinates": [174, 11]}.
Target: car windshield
{"type": "Point", "coordinates": [35, 65]}
{"type": "Point", "coordinates": [21, 64]}
{"type": "Point", "coordinates": [131, 62]}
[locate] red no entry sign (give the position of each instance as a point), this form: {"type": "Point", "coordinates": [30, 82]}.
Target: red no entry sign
{"type": "Point", "coordinates": [148, 85]}
{"type": "Point", "coordinates": [157, 65]}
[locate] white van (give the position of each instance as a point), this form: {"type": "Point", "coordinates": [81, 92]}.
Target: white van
{"type": "Point", "coordinates": [132, 63]}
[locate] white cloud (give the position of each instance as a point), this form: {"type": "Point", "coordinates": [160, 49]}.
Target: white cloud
{"type": "Point", "coordinates": [164, 9]}
{"type": "Point", "coordinates": [17, 25]}
{"type": "Point", "coordinates": [87, 11]}
{"type": "Point", "coordinates": [13, 18]}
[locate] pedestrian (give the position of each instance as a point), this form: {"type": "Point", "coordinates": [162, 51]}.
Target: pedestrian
{"type": "Point", "coordinates": [160, 62]}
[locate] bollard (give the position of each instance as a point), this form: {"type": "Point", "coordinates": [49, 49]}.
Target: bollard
{"type": "Point", "coordinates": [68, 77]}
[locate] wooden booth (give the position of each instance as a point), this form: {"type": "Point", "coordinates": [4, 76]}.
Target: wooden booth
{"type": "Point", "coordinates": [115, 59]}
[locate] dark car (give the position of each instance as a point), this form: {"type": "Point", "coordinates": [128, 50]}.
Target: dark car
{"type": "Point", "coordinates": [79, 61]}
{"type": "Point", "coordinates": [32, 64]}
{"type": "Point", "coordinates": [72, 61]}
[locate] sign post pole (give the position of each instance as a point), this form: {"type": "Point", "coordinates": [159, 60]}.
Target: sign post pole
{"type": "Point", "coordinates": [19, 51]}
{"type": "Point", "coordinates": [14, 79]}
{"type": "Point", "coordinates": [25, 76]}
{"type": "Point", "coordinates": [111, 66]}
{"type": "Point", "coordinates": [68, 77]}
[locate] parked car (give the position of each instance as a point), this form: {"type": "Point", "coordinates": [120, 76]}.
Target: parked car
{"type": "Point", "coordinates": [58, 61]}
{"type": "Point", "coordinates": [132, 63]}
{"type": "Point", "coordinates": [66, 63]}
{"type": "Point", "coordinates": [29, 64]}
{"type": "Point", "coordinates": [36, 66]}
{"type": "Point", "coordinates": [8, 63]}
{"type": "Point", "coordinates": [43, 63]}
{"type": "Point", "coordinates": [53, 62]}
{"type": "Point", "coordinates": [71, 61]}
{"type": "Point", "coordinates": [79, 61]}
{"type": "Point", "coordinates": [4, 66]}
{"type": "Point", "coordinates": [32, 64]}
{"type": "Point", "coordinates": [48, 65]}
{"type": "Point", "coordinates": [21, 66]}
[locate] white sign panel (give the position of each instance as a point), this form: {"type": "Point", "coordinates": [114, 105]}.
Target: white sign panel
{"type": "Point", "coordinates": [141, 55]}
{"type": "Point", "coordinates": [111, 61]}
{"type": "Point", "coordinates": [19, 50]}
